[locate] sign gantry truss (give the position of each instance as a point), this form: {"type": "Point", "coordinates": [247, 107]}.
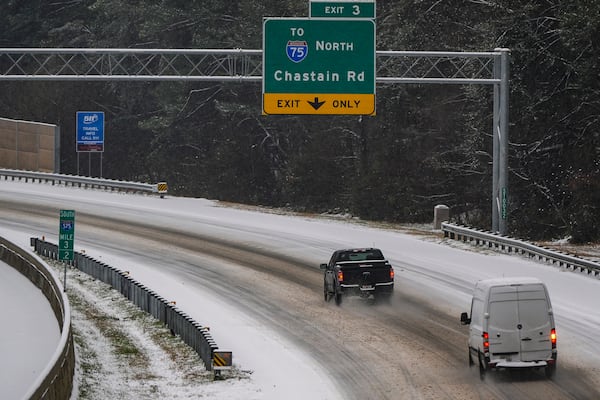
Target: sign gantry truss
{"type": "Point", "coordinates": [131, 64]}
{"type": "Point", "coordinates": [488, 68]}
{"type": "Point", "coordinates": [226, 65]}
{"type": "Point", "coordinates": [437, 67]}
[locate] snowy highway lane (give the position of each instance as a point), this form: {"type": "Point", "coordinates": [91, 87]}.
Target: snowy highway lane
{"type": "Point", "coordinates": [24, 352]}
{"type": "Point", "coordinates": [266, 266]}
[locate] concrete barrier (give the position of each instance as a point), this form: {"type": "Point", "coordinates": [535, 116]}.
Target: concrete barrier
{"type": "Point", "coordinates": [56, 380]}
{"type": "Point", "coordinates": [441, 213]}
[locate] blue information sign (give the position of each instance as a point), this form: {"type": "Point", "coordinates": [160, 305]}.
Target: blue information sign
{"type": "Point", "coordinates": [90, 131]}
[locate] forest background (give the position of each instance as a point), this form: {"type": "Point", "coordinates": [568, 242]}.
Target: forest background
{"type": "Point", "coordinates": [428, 144]}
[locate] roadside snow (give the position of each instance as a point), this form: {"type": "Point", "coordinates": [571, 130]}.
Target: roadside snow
{"type": "Point", "coordinates": [123, 353]}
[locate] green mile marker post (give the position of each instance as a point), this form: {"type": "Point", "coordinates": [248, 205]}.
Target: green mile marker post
{"type": "Point", "coordinates": [66, 237]}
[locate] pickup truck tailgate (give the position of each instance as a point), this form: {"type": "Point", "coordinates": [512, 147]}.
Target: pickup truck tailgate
{"type": "Point", "coordinates": [364, 273]}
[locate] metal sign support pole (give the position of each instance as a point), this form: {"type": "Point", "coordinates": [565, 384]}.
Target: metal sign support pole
{"type": "Point", "coordinates": [500, 130]}
{"type": "Point", "coordinates": [496, 148]}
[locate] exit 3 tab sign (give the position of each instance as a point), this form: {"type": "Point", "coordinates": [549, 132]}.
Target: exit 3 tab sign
{"type": "Point", "coordinates": [342, 9]}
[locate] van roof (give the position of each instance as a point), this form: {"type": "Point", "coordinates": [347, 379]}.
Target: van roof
{"type": "Point", "coordinates": [518, 280]}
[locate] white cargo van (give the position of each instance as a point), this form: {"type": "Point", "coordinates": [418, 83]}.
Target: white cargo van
{"type": "Point", "coordinates": [511, 325]}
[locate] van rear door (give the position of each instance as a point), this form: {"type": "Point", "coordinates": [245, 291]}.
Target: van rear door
{"type": "Point", "coordinates": [535, 323]}
{"type": "Point", "coordinates": [519, 323]}
{"type": "Point", "coordinates": [503, 321]}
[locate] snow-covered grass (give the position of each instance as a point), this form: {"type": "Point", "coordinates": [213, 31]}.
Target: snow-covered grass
{"type": "Point", "coordinates": [123, 353]}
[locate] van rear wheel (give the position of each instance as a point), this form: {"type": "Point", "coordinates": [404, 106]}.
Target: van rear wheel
{"type": "Point", "coordinates": [550, 370]}
{"type": "Point", "coordinates": [481, 367]}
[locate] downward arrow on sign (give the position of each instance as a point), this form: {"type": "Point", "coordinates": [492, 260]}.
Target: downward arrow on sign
{"type": "Point", "coordinates": [316, 104]}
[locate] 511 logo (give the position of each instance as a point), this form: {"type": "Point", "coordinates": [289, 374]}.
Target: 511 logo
{"type": "Point", "coordinates": [90, 119]}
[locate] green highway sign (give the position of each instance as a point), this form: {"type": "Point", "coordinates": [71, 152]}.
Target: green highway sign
{"type": "Point", "coordinates": [342, 9]}
{"type": "Point", "coordinates": [66, 235]}
{"type": "Point", "coordinates": [318, 66]}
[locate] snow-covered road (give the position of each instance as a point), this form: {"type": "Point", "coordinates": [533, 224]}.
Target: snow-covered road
{"type": "Point", "coordinates": [443, 273]}
{"type": "Point", "coordinates": [29, 335]}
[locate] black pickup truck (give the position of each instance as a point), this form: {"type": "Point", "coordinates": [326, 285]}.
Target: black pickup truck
{"type": "Point", "coordinates": [358, 272]}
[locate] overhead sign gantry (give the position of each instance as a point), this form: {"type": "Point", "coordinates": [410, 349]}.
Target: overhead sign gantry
{"type": "Point", "coordinates": [241, 65]}
{"type": "Point", "coordinates": [327, 79]}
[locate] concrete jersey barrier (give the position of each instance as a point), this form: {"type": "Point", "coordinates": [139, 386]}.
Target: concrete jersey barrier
{"type": "Point", "coordinates": [55, 382]}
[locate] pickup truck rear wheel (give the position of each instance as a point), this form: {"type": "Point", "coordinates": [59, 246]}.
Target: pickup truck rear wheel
{"type": "Point", "coordinates": [383, 298]}
{"type": "Point", "coordinates": [338, 298]}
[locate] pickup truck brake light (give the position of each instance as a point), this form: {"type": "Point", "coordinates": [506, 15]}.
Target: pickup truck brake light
{"type": "Point", "coordinates": [391, 273]}
{"type": "Point", "coordinates": [340, 276]}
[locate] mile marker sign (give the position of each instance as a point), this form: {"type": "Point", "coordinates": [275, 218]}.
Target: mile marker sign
{"type": "Point", "coordinates": [66, 235]}
{"type": "Point", "coordinates": [318, 66]}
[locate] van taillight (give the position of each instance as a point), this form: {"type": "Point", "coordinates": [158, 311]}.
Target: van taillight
{"type": "Point", "coordinates": [340, 276]}
{"type": "Point", "coordinates": [553, 337]}
{"type": "Point", "coordinates": [391, 273]}
{"type": "Point", "coordinates": [486, 342]}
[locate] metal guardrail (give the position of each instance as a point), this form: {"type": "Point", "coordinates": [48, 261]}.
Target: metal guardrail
{"type": "Point", "coordinates": [55, 381]}
{"type": "Point", "coordinates": [510, 245]}
{"type": "Point", "coordinates": [83, 181]}
{"type": "Point", "coordinates": [192, 333]}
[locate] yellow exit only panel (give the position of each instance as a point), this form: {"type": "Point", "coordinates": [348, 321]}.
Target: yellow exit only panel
{"type": "Point", "coordinates": [319, 104]}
